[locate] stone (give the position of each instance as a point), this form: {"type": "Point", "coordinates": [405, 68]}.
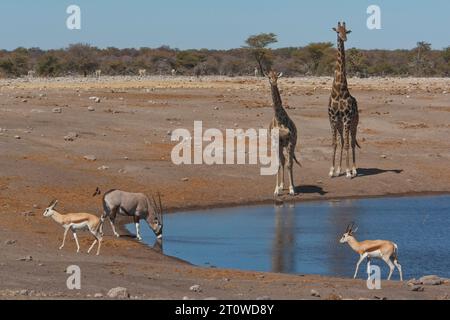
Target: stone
{"type": "Point", "coordinates": [334, 296]}
{"type": "Point", "coordinates": [71, 136]}
{"type": "Point", "coordinates": [263, 298]}
{"type": "Point", "coordinates": [90, 158]}
{"type": "Point", "coordinates": [26, 258]}
{"type": "Point", "coordinates": [24, 292]}
{"type": "Point", "coordinates": [57, 110]}
{"type": "Point", "coordinates": [418, 289]}
{"type": "Point", "coordinates": [431, 280]}
{"type": "Point", "coordinates": [196, 288]}
{"type": "Point", "coordinates": [98, 295]}
{"type": "Point", "coordinates": [103, 168]}
{"type": "Point", "coordinates": [10, 242]}
{"type": "Point", "coordinates": [118, 293]}
{"type": "Point", "coordinates": [315, 293]}
{"type": "Point", "coordinates": [185, 179]}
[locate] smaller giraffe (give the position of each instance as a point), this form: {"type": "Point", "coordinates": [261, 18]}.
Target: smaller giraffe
{"type": "Point", "coordinates": [288, 136]}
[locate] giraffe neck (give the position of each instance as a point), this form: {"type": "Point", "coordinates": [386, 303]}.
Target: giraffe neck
{"type": "Point", "coordinates": [277, 102]}
{"type": "Point", "coordinates": [340, 75]}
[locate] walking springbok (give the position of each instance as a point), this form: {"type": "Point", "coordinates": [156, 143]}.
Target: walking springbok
{"type": "Point", "coordinates": [98, 73]}
{"type": "Point", "coordinates": [381, 249]}
{"type": "Point", "coordinates": [142, 72]}
{"type": "Point", "coordinates": [75, 222]}
{"type": "Point", "coordinates": [136, 205]}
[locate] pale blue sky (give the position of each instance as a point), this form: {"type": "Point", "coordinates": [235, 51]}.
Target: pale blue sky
{"type": "Point", "coordinates": [220, 24]}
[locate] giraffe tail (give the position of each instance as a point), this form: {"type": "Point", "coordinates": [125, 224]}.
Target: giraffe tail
{"type": "Point", "coordinates": [296, 161]}
{"type": "Point", "coordinates": [357, 144]}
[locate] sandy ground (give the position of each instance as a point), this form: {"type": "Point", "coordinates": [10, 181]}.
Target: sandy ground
{"type": "Point", "coordinates": [403, 132]}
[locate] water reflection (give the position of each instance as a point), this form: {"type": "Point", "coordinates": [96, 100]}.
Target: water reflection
{"type": "Point", "coordinates": [341, 213]}
{"type": "Point", "coordinates": [283, 253]}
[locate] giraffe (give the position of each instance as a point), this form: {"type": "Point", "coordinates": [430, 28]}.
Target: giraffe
{"type": "Point", "coordinates": [288, 136]}
{"type": "Point", "coordinates": [343, 109]}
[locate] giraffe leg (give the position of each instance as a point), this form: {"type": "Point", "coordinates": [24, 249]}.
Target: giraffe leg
{"type": "Point", "coordinates": [278, 188]}
{"type": "Point", "coordinates": [354, 171]}
{"type": "Point", "coordinates": [290, 166]}
{"type": "Point", "coordinates": [347, 150]}
{"type": "Point", "coordinates": [339, 169]}
{"type": "Point", "coordinates": [334, 142]}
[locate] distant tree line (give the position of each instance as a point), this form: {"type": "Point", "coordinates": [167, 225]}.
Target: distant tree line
{"type": "Point", "coordinates": [255, 58]}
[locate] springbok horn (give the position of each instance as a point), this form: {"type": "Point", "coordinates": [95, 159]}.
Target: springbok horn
{"type": "Point", "coordinates": [160, 208]}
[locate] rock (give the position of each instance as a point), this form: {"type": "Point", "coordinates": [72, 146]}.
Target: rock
{"type": "Point", "coordinates": [28, 214]}
{"type": "Point", "coordinates": [24, 292]}
{"type": "Point", "coordinates": [71, 136]}
{"type": "Point", "coordinates": [103, 168]}
{"type": "Point", "coordinates": [26, 258]}
{"type": "Point", "coordinates": [334, 296]}
{"type": "Point", "coordinates": [383, 156]}
{"type": "Point", "coordinates": [97, 100]}
{"type": "Point", "coordinates": [196, 288]}
{"type": "Point", "coordinates": [413, 282]}
{"type": "Point", "coordinates": [17, 137]}
{"type": "Point", "coordinates": [91, 109]}
{"type": "Point", "coordinates": [418, 289]}
{"type": "Point", "coordinates": [90, 158]}
{"type": "Point", "coordinates": [185, 179]}
{"type": "Point", "coordinates": [263, 298]}
{"type": "Point", "coordinates": [98, 295]}
{"type": "Point", "coordinates": [186, 298]}
{"type": "Point", "coordinates": [315, 293]}
{"type": "Point", "coordinates": [211, 298]}
{"type": "Point", "coordinates": [57, 110]}
{"type": "Point", "coordinates": [10, 242]}
{"type": "Point", "coordinates": [118, 293]}
{"type": "Point", "coordinates": [431, 280]}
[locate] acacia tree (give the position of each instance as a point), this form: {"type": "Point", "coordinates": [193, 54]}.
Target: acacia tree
{"type": "Point", "coordinates": [258, 45]}
{"type": "Point", "coordinates": [420, 61]}
{"type": "Point", "coordinates": [316, 54]}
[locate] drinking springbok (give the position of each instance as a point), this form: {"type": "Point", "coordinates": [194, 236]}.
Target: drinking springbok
{"type": "Point", "coordinates": [136, 205]}
{"type": "Point", "coordinates": [381, 249]}
{"type": "Point", "coordinates": [75, 222]}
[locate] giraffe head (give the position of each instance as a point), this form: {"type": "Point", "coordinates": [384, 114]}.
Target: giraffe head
{"type": "Point", "coordinates": [273, 77]}
{"type": "Point", "coordinates": [342, 31]}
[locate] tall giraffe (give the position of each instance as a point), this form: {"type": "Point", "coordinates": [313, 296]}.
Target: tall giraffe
{"type": "Point", "coordinates": [288, 136]}
{"type": "Point", "coordinates": [343, 109]}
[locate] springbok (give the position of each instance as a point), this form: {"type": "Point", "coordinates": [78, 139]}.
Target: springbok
{"type": "Point", "coordinates": [142, 72]}
{"type": "Point", "coordinates": [381, 249]}
{"type": "Point", "coordinates": [75, 222]}
{"type": "Point", "coordinates": [136, 205]}
{"type": "Point", "coordinates": [98, 73]}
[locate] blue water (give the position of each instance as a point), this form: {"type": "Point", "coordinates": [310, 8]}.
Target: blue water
{"type": "Point", "coordinates": [304, 239]}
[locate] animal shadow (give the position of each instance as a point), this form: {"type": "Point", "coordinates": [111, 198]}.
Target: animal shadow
{"type": "Point", "coordinates": [310, 190]}
{"type": "Point", "coordinates": [365, 172]}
